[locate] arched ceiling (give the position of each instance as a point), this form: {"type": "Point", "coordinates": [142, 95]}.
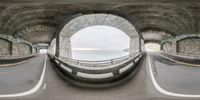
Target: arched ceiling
{"type": "Point", "coordinates": [155, 20]}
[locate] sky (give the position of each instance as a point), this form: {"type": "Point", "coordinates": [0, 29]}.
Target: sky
{"type": "Point", "coordinates": [100, 38]}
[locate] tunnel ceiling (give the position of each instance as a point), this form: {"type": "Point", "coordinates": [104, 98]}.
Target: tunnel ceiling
{"type": "Point", "coordinates": [155, 20]}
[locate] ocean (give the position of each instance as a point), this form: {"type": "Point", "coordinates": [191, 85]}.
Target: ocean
{"type": "Point", "coordinates": [95, 55]}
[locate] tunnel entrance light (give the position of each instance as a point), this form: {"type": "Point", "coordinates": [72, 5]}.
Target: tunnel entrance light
{"type": "Point", "coordinates": [152, 47]}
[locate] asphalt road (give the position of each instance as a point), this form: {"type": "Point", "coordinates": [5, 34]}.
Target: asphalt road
{"type": "Point", "coordinates": [20, 78]}
{"type": "Point", "coordinates": [168, 75]}
{"type": "Point", "coordinates": [174, 76]}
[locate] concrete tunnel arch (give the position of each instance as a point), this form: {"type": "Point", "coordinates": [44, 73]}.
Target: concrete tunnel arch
{"type": "Point", "coordinates": [87, 20]}
{"type": "Point", "coordinates": [5, 47]}
{"type": "Point", "coordinates": [189, 45]}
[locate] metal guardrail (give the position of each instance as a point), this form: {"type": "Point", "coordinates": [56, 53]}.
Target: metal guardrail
{"type": "Point", "coordinates": [96, 74]}
{"type": "Point", "coordinates": [99, 63]}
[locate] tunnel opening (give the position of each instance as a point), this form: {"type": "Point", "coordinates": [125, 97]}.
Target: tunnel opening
{"type": "Point", "coordinates": [42, 51]}
{"type": "Point", "coordinates": [83, 22]}
{"type": "Point", "coordinates": [99, 43]}
{"type": "Point", "coordinates": [153, 47]}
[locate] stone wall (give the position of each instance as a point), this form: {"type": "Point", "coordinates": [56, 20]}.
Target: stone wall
{"type": "Point", "coordinates": [15, 46]}
{"type": "Point", "coordinates": [22, 49]}
{"type": "Point", "coordinates": [52, 47]}
{"type": "Point", "coordinates": [167, 46]}
{"type": "Point", "coordinates": [184, 44]}
{"type": "Point", "coordinates": [5, 47]}
{"type": "Point", "coordinates": [189, 46]}
{"type": "Point", "coordinates": [134, 45]}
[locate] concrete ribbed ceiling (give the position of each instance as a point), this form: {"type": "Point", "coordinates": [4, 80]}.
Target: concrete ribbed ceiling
{"type": "Point", "coordinates": [40, 22]}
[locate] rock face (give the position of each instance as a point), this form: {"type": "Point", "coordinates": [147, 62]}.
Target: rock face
{"type": "Point", "coordinates": [189, 46]}
{"type": "Point", "coordinates": [5, 47]}
{"type": "Point", "coordinates": [22, 49]}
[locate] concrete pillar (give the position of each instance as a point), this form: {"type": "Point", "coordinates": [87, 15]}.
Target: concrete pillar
{"type": "Point", "coordinates": [32, 50]}
{"type": "Point", "coordinates": [142, 45]}
{"type": "Point", "coordinates": [65, 47]}
{"type": "Point", "coordinates": [57, 46]}
{"type": "Point", "coordinates": [51, 48]}
{"type": "Point", "coordinates": [134, 45]}
{"type": "Point", "coordinates": [174, 46]}
{"type": "Point", "coordinates": [11, 49]}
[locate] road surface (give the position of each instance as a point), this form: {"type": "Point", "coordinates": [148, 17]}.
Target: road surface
{"type": "Point", "coordinates": [169, 75]}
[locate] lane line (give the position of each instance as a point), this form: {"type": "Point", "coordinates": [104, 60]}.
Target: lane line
{"type": "Point", "coordinates": [45, 86]}
{"type": "Point", "coordinates": [31, 91]}
{"type": "Point", "coordinates": [183, 63]}
{"type": "Point", "coordinates": [163, 91]}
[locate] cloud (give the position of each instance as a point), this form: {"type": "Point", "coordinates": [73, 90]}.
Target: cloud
{"type": "Point", "coordinates": [100, 38]}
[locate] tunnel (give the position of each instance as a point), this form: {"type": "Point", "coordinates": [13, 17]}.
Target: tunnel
{"type": "Point", "coordinates": [160, 42]}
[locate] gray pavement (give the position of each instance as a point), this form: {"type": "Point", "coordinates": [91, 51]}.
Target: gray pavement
{"type": "Point", "coordinates": [20, 78]}
{"type": "Point", "coordinates": [139, 87]}
{"type": "Point", "coordinates": [176, 77]}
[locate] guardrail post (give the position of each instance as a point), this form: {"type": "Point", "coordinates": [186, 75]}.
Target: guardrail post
{"type": "Point", "coordinates": [116, 72]}
{"type": "Point", "coordinates": [74, 71]}
{"type": "Point", "coordinates": [111, 61]}
{"type": "Point", "coordinates": [133, 61]}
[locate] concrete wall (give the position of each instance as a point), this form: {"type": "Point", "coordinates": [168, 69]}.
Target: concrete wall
{"type": "Point", "coordinates": [15, 46]}
{"type": "Point", "coordinates": [5, 47]}
{"type": "Point", "coordinates": [134, 45]}
{"type": "Point", "coordinates": [185, 44]}
{"type": "Point", "coordinates": [21, 49]}
{"type": "Point", "coordinates": [142, 45]}
{"type": "Point", "coordinates": [189, 46]}
{"type": "Point", "coordinates": [65, 47]}
{"type": "Point", "coordinates": [52, 47]}
{"type": "Point", "coordinates": [167, 46]}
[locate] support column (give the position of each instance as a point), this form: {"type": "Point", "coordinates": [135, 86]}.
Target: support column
{"type": "Point", "coordinates": [134, 45]}
{"type": "Point", "coordinates": [65, 47]}
{"type": "Point", "coordinates": [57, 46]}
{"type": "Point", "coordinates": [11, 49]}
{"type": "Point", "coordinates": [174, 46]}
{"type": "Point", "coordinates": [32, 50]}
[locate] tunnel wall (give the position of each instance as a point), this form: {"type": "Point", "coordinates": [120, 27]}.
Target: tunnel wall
{"type": "Point", "coordinates": [5, 47]}
{"type": "Point", "coordinates": [167, 46]}
{"type": "Point", "coordinates": [142, 45]}
{"type": "Point", "coordinates": [78, 23]}
{"type": "Point", "coordinates": [184, 44]}
{"type": "Point", "coordinates": [134, 45]}
{"type": "Point", "coordinates": [189, 46]}
{"type": "Point", "coordinates": [21, 49]}
{"type": "Point", "coordinates": [52, 47]}
{"type": "Point", "coordinates": [15, 46]}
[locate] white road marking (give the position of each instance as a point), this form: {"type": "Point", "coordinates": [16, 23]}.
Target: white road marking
{"type": "Point", "coordinates": [45, 85]}
{"type": "Point", "coordinates": [160, 89]}
{"type": "Point", "coordinates": [183, 63]}
{"type": "Point", "coordinates": [31, 91]}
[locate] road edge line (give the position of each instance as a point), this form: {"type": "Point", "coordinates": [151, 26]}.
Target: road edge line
{"type": "Point", "coordinates": [31, 91]}
{"type": "Point", "coordinates": [163, 91]}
